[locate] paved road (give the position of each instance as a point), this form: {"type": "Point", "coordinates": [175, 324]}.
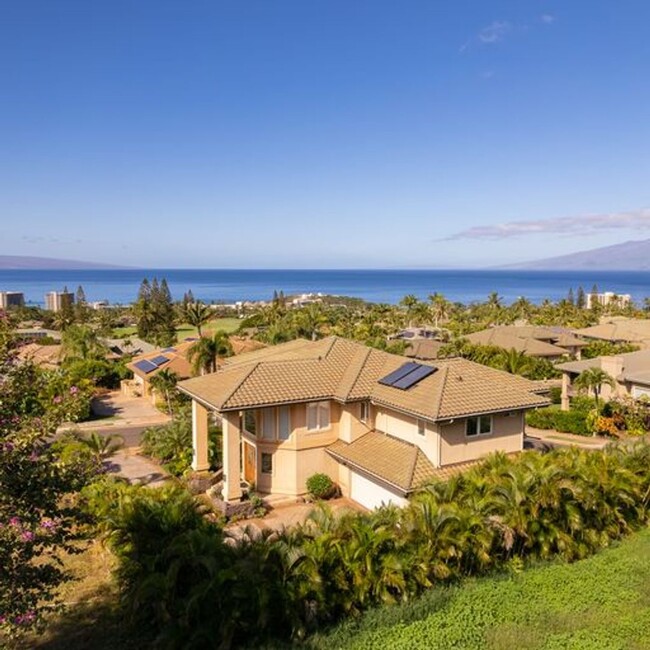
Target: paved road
{"type": "Point", "coordinates": [132, 435]}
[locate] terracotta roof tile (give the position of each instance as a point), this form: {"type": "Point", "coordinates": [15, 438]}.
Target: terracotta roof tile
{"type": "Point", "coordinates": [396, 462]}
{"type": "Point", "coordinates": [347, 371]}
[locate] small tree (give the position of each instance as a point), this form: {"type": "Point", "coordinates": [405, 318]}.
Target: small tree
{"type": "Point", "coordinates": [593, 379]}
{"type": "Point", "coordinates": [165, 383]}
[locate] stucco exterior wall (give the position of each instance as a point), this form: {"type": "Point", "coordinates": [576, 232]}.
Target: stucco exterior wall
{"type": "Point", "coordinates": [456, 447]}
{"type": "Point", "coordinates": [405, 428]}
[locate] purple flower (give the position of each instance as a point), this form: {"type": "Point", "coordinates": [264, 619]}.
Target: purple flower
{"type": "Point", "coordinates": [27, 536]}
{"type": "Point", "coordinates": [57, 399]}
{"type": "Point", "coordinates": [73, 390]}
{"type": "Point", "coordinates": [14, 521]}
{"type": "Point", "coordinates": [48, 524]}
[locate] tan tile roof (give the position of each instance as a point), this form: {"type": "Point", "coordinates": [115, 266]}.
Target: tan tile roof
{"type": "Point", "coordinates": [423, 349]}
{"type": "Point", "coordinates": [396, 462]}
{"type": "Point", "coordinates": [335, 368]}
{"type": "Point", "coordinates": [177, 363]}
{"type": "Point", "coordinates": [46, 356]}
{"type": "Point", "coordinates": [505, 338]}
{"type": "Point", "coordinates": [633, 330]}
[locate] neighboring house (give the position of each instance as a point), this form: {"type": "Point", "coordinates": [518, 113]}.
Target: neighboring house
{"type": "Point", "coordinates": [130, 345]}
{"type": "Point", "coordinates": [45, 356]}
{"type": "Point", "coordinates": [620, 330]}
{"type": "Point", "coordinates": [425, 349]}
{"type": "Point", "coordinates": [630, 371]}
{"type": "Point", "coordinates": [378, 424]}
{"type": "Point", "coordinates": [36, 333]}
{"type": "Point", "coordinates": [543, 342]}
{"type": "Point", "coordinates": [146, 366]}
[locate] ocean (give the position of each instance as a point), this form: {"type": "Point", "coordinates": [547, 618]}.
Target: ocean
{"type": "Point", "coordinates": [388, 286]}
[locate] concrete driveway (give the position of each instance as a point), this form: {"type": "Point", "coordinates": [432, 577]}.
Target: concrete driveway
{"type": "Point", "coordinates": [137, 469]}
{"type": "Point", "coordinates": [125, 416]}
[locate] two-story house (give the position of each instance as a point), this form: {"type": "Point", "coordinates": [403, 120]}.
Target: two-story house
{"type": "Point", "coordinates": [378, 424]}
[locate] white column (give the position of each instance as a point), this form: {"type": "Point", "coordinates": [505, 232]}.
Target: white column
{"type": "Point", "coordinates": [566, 382]}
{"type": "Point", "coordinates": [200, 461]}
{"type": "Point", "coordinates": [231, 457]}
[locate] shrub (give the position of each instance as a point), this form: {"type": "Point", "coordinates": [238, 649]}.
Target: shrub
{"type": "Point", "coordinates": [320, 486]}
{"type": "Point", "coordinates": [555, 395]}
{"type": "Point", "coordinates": [563, 421]}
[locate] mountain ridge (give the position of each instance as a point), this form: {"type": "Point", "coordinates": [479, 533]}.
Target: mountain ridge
{"type": "Point", "coordinates": [27, 263]}
{"type": "Point", "coordinates": [631, 255]}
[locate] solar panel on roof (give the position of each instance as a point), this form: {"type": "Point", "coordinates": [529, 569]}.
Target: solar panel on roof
{"type": "Point", "coordinates": [159, 360]}
{"type": "Point", "coordinates": [145, 366]}
{"type": "Point", "coordinates": [169, 350]}
{"type": "Point", "coordinates": [414, 377]}
{"type": "Point", "coordinates": [396, 375]}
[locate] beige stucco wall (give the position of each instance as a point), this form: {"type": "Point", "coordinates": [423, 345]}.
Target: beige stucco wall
{"type": "Point", "coordinates": [507, 435]}
{"type": "Point", "coordinates": [405, 428]}
{"type": "Point", "coordinates": [303, 454]}
{"type": "Point", "coordinates": [350, 426]}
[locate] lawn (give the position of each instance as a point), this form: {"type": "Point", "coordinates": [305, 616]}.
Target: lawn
{"type": "Point", "coordinates": [124, 332]}
{"type": "Point", "coordinates": [596, 604]}
{"type": "Point", "coordinates": [229, 325]}
{"type": "Point", "coordinates": [599, 603]}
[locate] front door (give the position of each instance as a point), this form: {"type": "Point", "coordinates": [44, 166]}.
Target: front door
{"type": "Point", "coordinates": [250, 466]}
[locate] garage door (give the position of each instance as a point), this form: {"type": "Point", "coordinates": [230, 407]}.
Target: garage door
{"type": "Point", "coordinates": [640, 391]}
{"type": "Point", "coordinates": [370, 495]}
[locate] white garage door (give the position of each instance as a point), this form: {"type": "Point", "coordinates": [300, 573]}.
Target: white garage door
{"type": "Point", "coordinates": [640, 391]}
{"type": "Point", "coordinates": [370, 495]}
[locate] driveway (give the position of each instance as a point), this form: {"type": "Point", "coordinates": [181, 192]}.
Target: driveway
{"type": "Point", "coordinates": [138, 470]}
{"type": "Point", "coordinates": [125, 416]}
{"type": "Point", "coordinates": [558, 439]}
{"type": "Point", "coordinates": [287, 515]}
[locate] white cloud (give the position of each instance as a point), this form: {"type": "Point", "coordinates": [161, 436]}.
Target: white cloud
{"type": "Point", "coordinates": [547, 19]}
{"type": "Point", "coordinates": [637, 220]}
{"type": "Point", "coordinates": [494, 32]}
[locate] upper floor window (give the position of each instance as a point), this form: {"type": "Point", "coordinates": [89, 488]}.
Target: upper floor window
{"type": "Point", "coordinates": [249, 422]}
{"type": "Point", "coordinates": [276, 423]}
{"type": "Point", "coordinates": [422, 428]}
{"type": "Point", "coordinates": [318, 416]}
{"type": "Point", "coordinates": [364, 411]}
{"type": "Point", "coordinates": [479, 426]}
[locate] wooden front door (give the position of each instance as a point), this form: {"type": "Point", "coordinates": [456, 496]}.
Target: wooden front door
{"type": "Point", "coordinates": [250, 465]}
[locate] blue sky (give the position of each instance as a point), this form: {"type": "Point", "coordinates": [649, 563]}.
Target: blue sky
{"type": "Point", "coordinates": [322, 133]}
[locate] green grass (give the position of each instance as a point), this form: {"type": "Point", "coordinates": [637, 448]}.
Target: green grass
{"type": "Point", "coordinates": [124, 332]}
{"type": "Point", "coordinates": [229, 325]}
{"type": "Point", "coordinates": [599, 603]}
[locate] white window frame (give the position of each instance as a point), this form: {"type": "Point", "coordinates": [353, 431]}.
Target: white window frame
{"type": "Point", "coordinates": [364, 412]}
{"type": "Point", "coordinates": [273, 415]}
{"type": "Point", "coordinates": [422, 427]}
{"type": "Point", "coordinates": [480, 420]}
{"type": "Point", "coordinates": [320, 409]}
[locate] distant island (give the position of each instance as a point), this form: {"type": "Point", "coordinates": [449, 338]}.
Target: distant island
{"type": "Point", "coordinates": [628, 256]}
{"type": "Point", "coordinates": [17, 262]}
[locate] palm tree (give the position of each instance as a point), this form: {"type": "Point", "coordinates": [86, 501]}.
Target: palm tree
{"type": "Point", "coordinates": [593, 379]}
{"type": "Point", "coordinates": [165, 382]}
{"type": "Point", "coordinates": [102, 446]}
{"type": "Point", "coordinates": [81, 342]}
{"type": "Point", "coordinates": [204, 354]}
{"type": "Point", "coordinates": [197, 314]}
{"type": "Point", "coordinates": [410, 302]}
{"type": "Point", "coordinates": [515, 361]}
{"type": "Point", "coordinates": [439, 308]}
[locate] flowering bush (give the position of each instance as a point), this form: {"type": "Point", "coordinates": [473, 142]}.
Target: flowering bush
{"type": "Point", "coordinates": [37, 515]}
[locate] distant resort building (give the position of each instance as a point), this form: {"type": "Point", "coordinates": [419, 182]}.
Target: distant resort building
{"type": "Point", "coordinates": [608, 299]}
{"type": "Point", "coordinates": [58, 300]}
{"type": "Point", "coordinates": [10, 299]}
